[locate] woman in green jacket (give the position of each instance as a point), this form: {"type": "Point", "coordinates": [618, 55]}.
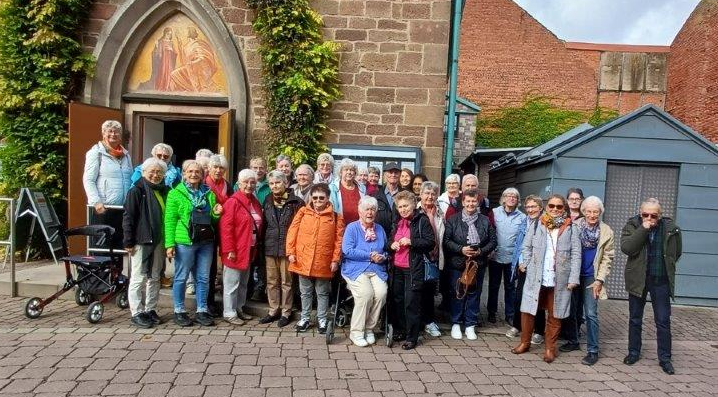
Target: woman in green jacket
{"type": "Point", "coordinates": [190, 217]}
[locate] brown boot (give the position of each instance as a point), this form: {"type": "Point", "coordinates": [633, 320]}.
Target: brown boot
{"type": "Point", "coordinates": [553, 328]}
{"type": "Point", "coordinates": [527, 328]}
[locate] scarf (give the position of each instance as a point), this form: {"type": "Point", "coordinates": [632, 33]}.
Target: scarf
{"type": "Point", "coordinates": [197, 196]}
{"type": "Point", "coordinates": [116, 153]}
{"type": "Point", "coordinates": [551, 222]}
{"type": "Point", "coordinates": [281, 200]}
{"type": "Point", "coordinates": [318, 178]}
{"type": "Point", "coordinates": [369, 233]}
{"type": "Point", "coordinates": [470, 220]}
{"type": "Point", "coordinates": [589, 235]}
{"type": "Point", "coordinates": [218, 187]}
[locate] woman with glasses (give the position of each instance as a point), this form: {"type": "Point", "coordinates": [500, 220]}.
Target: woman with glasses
{"type": "Point", "coordinates": [162, 151]}
{"type": "Point", "coordinates": [427, 205]}
{"type": "Point", "coordinates": [314, 248]}
{"type": "Point", "coordinates": [325, 169]}
{"type": "Point", "coordinates": [552, 262]}
{"type": "Point", "coordinates": [345, 192]}
{"type": "Point", "coordinates": [303, 175]}
{"type": "Point", "coordinates": [574, 196]}
{"type": "Point", "coordinates": [450, 200]}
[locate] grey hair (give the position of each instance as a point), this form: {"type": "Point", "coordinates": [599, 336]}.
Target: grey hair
{"type": "Point", "coordinates": [163, 147]}
{"type": "Point", "coordinates": [246, 174]}
{"type": "Point", "coordinates": [154, 162]}
{"type": "Point", "coordinates": [276, 174]}
{"type": "Point", "coordinates": [188, 163]}
{"type": "Point", "coordinates": [307, 167]}
{"type": "Point", "coordinates": [429, 185]}
{"type": "Point", "coordinates": [203, 153]}
{"type": "Point", "coordinates": [111, 125]}
{"type": "Point", "coordinates": [363, 170]}
{"type": "Point", "coordinates": [256, 159]}
{"type": "Point", "coordinates": [325, 157]}
{"type": "Point", "coordinates": [652, 201]}
{"type": "Point", "coordinates": [347, 163]}
{"type": "Point", "coordinates": [374, 170]}
{"type": "Point", "coordinates": [471, 176]}
{"type": "Point", "coordinates": [367, 202]}
{"type": "Point", "coordinates": [452, 178]}
{"type": "Point", "coordinates": [509, 191]}
{"type": "Point", "coordinates": [594, 201]}
{"type": "Point", "coordinates": [283, 157]}
{"type": "Point", "coordinates": [218, 160]}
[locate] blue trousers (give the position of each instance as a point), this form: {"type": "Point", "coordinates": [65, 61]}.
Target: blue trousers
{"type": "Point", "coordinates": [466, 311]}
{"type": "Point", "coordinates": [660, 300]}
{"type": "Point", "coordinates": [195, 259]}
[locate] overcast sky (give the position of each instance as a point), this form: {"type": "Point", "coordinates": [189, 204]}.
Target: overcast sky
{"type": "Point", "coordinates": [612, 21]}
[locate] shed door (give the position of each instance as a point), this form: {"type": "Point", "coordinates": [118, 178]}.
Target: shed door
{"type": "Point", "coordinates": [626, 186]}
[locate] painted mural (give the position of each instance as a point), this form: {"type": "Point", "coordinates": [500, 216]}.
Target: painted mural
{"type": "Point", "coordinates": [178, 59]}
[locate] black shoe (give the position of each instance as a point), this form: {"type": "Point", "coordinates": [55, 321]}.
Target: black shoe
{"type": "Point", "coordinates": [492, 318]}
{"type": "Point", "coordinates": [214, 312]}
{"type": "Point", "coordinates": [630, 359]}
{"type": "Point", "coordinates": [590, 359]}
{"type": "Point", "coordinates": [269, 319]}
{"type": "Point", "coordinates": [204, 319]}
{"type": "Point", "coordinates": [667, 367]}
{"type": "Point", "coordinates": [283, 322]}
{"type": "Point", "coordinates": [156, 320]}
{"type": "Point", "coordinates": [569, 347]}
{"type": "Point", "coordinates": [183, 320]}
{"type": "Point", "coordinates": [399, 337]}
{"type": "Point", "coordinates": [141, 320]}
{"type": "Point", "coordinates": [408, 345]}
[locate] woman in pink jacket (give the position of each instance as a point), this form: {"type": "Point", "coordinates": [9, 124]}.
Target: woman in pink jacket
{"type": "Point", "coordinates": [240, 230]}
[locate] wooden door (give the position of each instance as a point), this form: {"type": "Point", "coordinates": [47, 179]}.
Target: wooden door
{"type": "Point", "coordinates": [225, 141]}
{"type": "Point", "coordinates": [84, 130]}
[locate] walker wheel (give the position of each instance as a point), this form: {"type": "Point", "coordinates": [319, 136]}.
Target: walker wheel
{"type": "Point", "coordinates": [121, 300]}
{"type": "Point", "coordinates": [330, 332]}
{"type": "Point", "coordinates": [33, 308]}
{"type": "Point", "coordinates": [82, 298]}
{"type": "Point", "coordinates": [95, 312]}
{"type": "Point", "coordinates": [341, 319]}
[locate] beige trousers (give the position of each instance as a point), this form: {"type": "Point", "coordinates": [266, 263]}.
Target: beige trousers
{"type": "Point", "coordinates": [369, 292]}
{"type": "Point", "coordinates": [279, 286]}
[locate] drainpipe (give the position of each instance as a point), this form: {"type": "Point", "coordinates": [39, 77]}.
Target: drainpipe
{"type": "Point", "coordinates": [458, 6]}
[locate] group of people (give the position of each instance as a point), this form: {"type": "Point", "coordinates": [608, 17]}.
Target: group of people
{"type": "Point", "coordinates": [399, 240]}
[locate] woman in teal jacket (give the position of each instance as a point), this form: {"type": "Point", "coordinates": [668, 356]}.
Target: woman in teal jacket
{"type": "Point", "coordinates": [190, 217]}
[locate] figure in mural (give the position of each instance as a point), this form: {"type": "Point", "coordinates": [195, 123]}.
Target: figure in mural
{"type": "Point", "coordinates": [164, 57]}
{"type": "Point", "coordinates": [197, 65]}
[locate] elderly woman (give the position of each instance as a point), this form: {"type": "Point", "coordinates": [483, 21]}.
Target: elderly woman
{"type": "Point", "coordinates": [450, 200]}
{"type": "Point", "coordinates": [362, 176]}
{"type": "Point", "coordinates": [596, 259]}
{"type": "Point", "coordinates": [428, 206]}
{"type": "Point", "coordinates": [279, 209]}
{"type": "Point", "coordinates": [405, 179]}
{"type": "Point", "coordinates": [202, 157]}
{"type": "Point", "coordinates": [222, 190]}
{"type": "Point", "coordinates": [346, 192]}
{"type": "Point", "coordinates": [284, 164]}
{"type": "Point", "coordinates": [552, 262]}
{"type": "Point", "coordinates": [468, 236]}
{"type": "Point", "coordinates": [190, 215]}
{"type": "Point", "coordinates": [372, 181]}
{"type": "Point", "coordinates": [304, 175]}
{"type": "Point", "coordinates": [143, 227]}
{"type": "Point", "coordinates": [533, 206]}
{"type": "Point", "coordinates": [412, 238]}
{"type": "Point", "coordinates": [314, 248]}
{"type": "Point", "coordinates": [325, 169]}
{"type": "Point", "coordinates": [162, 151]}
{"type": "Point", "coordinates": [240, 230]}
{"type": "Point", "coordinates": [107, 178]}
{"type": "Point", "coordinates": [364, 270]}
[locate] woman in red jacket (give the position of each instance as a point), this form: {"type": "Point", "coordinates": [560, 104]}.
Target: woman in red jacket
{"type": "Point", "coordinates": [240, 230]}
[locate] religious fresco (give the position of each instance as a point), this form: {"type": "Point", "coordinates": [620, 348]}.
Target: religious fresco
{"type": "Point", "coordinates": [178, 59]}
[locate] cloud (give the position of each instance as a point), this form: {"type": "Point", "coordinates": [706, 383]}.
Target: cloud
{"type": "Point", "coordinates": [612, 21]}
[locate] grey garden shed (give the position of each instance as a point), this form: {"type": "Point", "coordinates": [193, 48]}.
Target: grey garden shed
{"type": "Point", "coordinates": [647, 153]}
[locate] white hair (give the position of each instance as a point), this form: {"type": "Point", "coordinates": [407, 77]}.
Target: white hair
{"type": "Point", "coordinates": [592, 201]}
{"type": "Point", "coordinates": [305, 166]}
{"type": "Point", "coordinates": [276, 174]}
{"type": "Point", "coordinates": [163, 147]}
{"type": "Point", "coordinates": [509, 191]}
{"type": "Point", "coordinates": [367, 202]}
{"type": "Point", "coordinates": [363, 171]}
{"type": "Point", "coordinates": [111, 125]}
{"type": "Point", "coordinates": [430, 185]}
{"type": "Point", "coordinates": [325, 157]}
{"type": "Point", "coordinates": [246, 174]}
{"type": "Point", "coordinates": [203, 153]}
{"type": "Point", "coordinates": [218, 160]}
{"type": "Point", "coordinates": [452, 178]}
{"type": "Point", "coordinates": [652, 202]}
{"type": "Point", "coordinates": [154, 162]}
{"type": "Point", "coordinates": [471, 176]}
{"type": "Point", "coordinates": [347, 163]}
{"type": "Point", "coordinates": [188, 163]}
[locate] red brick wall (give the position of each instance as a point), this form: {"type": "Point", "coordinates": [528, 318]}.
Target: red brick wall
{"type": "Point", "coordinates": [693, 71]}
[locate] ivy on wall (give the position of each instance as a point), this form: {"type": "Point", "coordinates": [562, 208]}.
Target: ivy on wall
{"type": "Point", "coordinates": [536, 120]}
{"type": "Point", "coordinates": [42, 65]}
{"type": "Point", "coordinates": [300, 76]}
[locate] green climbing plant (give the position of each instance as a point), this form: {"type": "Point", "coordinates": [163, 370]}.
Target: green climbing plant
{"type": "Point", "coordinates": [42, 65]}
{"type": "Point", "coordinates": [300, 76]}
{"type": "Point", "coordinates": [537, 119]}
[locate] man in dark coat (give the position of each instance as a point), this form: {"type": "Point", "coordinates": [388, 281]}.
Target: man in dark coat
{"type": "Point", "coordinates": [384, 195]}
{"type": "Point", "coordinates": [653, 245]}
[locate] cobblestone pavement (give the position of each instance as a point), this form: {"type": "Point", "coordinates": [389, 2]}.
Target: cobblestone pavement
{"type": "Point", "coordinates": [60, 354]}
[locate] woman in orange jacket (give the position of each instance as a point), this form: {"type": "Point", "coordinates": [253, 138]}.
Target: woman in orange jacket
{"type": "Point", "coordinates": [313, 248]}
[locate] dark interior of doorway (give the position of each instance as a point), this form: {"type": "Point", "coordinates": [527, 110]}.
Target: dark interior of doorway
{"type": "Point", "coordinates": [188, 136]}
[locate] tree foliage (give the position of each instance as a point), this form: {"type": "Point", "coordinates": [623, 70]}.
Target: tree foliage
{"type": "Point", "coordinates": [42, 67]}
{"type": "Point", "coordinates": [300, 76]}
{"type": "Point", "coordinates": [536, 120]}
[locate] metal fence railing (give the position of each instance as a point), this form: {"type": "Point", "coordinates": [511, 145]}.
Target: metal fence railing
{"type": "Point", "coordinates": [9, 244]}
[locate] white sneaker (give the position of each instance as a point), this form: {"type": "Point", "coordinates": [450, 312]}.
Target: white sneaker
{"type": "Point", "coordinates": [456, 331]}
{"type": "Point", "coordinates": [471, 334]}
{"type": "Point", "coordinates": [536, 339]}
{"type": "Point", "coordinates": [433, 330]}
{"type": "Point", "coordinates": [189, 289]}
{"type": "Point", "coordinates": [359, 341]}
{"type": "Point", "coordinates": [369, 337]}
{"type": "Point", "coordinates": [513, 332]}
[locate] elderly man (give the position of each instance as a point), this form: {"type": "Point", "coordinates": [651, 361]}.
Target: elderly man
{"type": "Point", "coordinates": [161, 151]}
{"type": "Point", "coordinates": [385, 196]}
{"type": "Point", "coordinates": [509, 220]}
{"type": "Point", "coordinates": [258, 280]}
{"type": "Point", "coordinates": [653, 245]}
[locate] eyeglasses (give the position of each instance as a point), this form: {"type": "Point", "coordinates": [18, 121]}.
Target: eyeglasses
{"type": "Point", "coordinates": [319, 198]}
{"type": "Point", "coordinates": [556, 206]}
{"type": "Point", "coordinates": [531, 206]}
{"type": "Point", "coordinates": [575, 199]}
{"type": "Point", "coordinates": [162, 156]}
{"type": "Point", "coordinates": [647, 215]}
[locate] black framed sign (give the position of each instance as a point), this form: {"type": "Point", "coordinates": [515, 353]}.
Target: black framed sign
{"type": "Point", "coordinates": [377, 156]}
{"type": "Point", "coordinates": [33, 210]}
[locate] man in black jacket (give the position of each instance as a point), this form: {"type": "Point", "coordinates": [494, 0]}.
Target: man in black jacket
{"type": "Point", "coordinates": [384, 195]}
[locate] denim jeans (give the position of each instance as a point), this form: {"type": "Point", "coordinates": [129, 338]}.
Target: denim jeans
{"type": "Point", "coordinates": [660, 300]}
{"type": "Point", "coordinates": [307, 285]}
{"type": "Point", "coordinates": [195, 259]}
{"type": "Point", "coordinates": [590, 310]}
{"type": "Point", "coordinates": [465, 311]}
{"type": "Point", "coordinates": [497, 271]}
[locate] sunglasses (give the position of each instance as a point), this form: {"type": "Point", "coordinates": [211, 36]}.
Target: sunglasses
{"type": "Point", "coordinates": [319, 198]}
{"type": "Point", "coordinates": [556, 206]}
{"type": "Point", "coordinates": [647, 215]}
{"type": "Point", "coordinates": [163, 156]}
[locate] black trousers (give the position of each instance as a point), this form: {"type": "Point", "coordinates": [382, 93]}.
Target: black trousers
{"type": "Point", "coordinates": [211, 291]}
{"type": "Point", "coordinates": [540, 318]}
{"type": "Point", "coordinates": [427, 302]}
{"type": "Point", "coordinates": [258, 280]}
{"type": "Point", "coordinates": [406, 306]}
{"type": "Point", "coordinates": [661, 301]}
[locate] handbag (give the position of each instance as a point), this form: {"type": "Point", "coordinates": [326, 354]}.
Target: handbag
{"type": "Point", "coordinates": [200, 226]}
{"type": "Point", "coordinates": [467, 278]}
{"type": "Point", "coordinates": [431, 269]}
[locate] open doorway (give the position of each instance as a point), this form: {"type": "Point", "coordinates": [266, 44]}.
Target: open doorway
{"type": "Point", "coordinates": [186, 136]}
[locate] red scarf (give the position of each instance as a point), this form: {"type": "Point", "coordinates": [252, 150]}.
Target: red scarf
{"type": "Point", "coordinates": [218, 187]}
{"type": "Point", "coordinates": [116, 153]}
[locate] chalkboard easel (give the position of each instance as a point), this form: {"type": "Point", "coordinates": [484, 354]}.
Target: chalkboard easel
{"type": "Point", "coordinates": [34, 209]}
